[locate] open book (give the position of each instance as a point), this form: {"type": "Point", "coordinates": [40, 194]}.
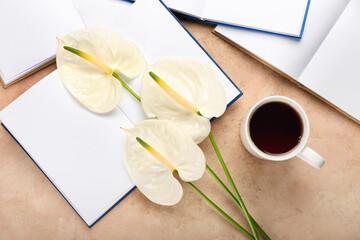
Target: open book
{"type": "Point", "coordinates": [82, 152]}
{"type": "Point", "coordinates": [29, 30]}
{"type": "Point", "coordinates": [28, 35]}
{"type": "Point", "coordinates": [281, 17]}
{"type": "Point", "coordinates": [325, 61]}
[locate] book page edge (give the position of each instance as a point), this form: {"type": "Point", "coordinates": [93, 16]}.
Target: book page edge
{"type": "Point", "coordinates": [27, 74]}
{"type": "Point", "coordinates": [284, 75]}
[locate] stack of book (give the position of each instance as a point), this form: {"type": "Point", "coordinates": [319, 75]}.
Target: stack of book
{"type": "Point", "coordinates": [314, 44]}
{"type": "Point", "coordinates": [324, 61]}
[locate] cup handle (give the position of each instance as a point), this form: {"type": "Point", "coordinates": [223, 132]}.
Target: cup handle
{"type": "Point", "coordinates": [311, 157]}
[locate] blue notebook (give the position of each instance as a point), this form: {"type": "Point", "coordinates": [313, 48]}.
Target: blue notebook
{"type": "Point", "coordinates": [80, 152]}
{"type": "Point", "coordinates": [281, 17]}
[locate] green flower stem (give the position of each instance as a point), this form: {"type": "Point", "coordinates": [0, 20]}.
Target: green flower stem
{"type": "Point", "coordinates": [126, 86]}
{"type": "Point", "coordinates": [236, 201]}
{"type": "Point", "coordinates": [221, 211]}
{"type": "Point", "coordinates": [247, 215]}
{"type": "Point", "coordinates": [202, 194]}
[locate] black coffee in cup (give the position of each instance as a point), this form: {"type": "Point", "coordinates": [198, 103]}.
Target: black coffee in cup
{"type": "Point", "coordinates": [276, 128]}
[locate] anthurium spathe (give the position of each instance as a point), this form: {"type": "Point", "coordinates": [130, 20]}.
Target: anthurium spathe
{"type": "Point", "coordinates": [87, 60]}
{"type": "Point", "coordinates": [184, 91]}
{"type": "Point", "coordinates": [154, 150]}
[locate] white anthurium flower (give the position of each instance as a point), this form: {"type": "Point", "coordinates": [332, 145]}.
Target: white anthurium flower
{"type": "Point", "coordinates": [154, 150]}
{"type": "Point", "coordinates": [87, 60]}
{"type": "Point", "coordinates": [184, 91]}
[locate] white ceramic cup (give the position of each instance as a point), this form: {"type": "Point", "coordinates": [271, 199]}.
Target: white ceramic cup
{"type": "Point", "coordinates": [300, 150]}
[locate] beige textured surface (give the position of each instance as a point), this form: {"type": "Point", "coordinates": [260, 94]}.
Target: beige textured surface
{"type": "Point", "coordinates": [291, 200]}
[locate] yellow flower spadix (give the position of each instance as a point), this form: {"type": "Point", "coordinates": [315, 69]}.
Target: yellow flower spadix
{"type": "Point", "coordinates": [184, 91]}
{"type": "Point", "coordinates": [86, 60]}
{"type": "Point", "coordinates": [90, 59]}
{"type": "Point", "coordinates": [172, 93]}
{"type": "Point", "coordinates": [156, 154]}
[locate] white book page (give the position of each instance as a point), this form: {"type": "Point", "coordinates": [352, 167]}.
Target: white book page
{"type": "Point", "coordinates": [80, 151]}
{"type": "Point", "coordinates": [333, 72]}
{"type": "Point", "coordinates": [290, 56]}
{"type": "Point", "coordinates": [28, 32]}
{"type": "Point", "coordinates": [100, 13]}
{"type": "Point", "coordinates": [193, 8]}
{"type": "Point", "coordinates": [278, 16]}
{"type": "Point", "coordinates": [160, 36]}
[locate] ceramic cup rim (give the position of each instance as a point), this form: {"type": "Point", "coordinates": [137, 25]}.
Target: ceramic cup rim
{"type": "Point", "coordinates": [303, 117]}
